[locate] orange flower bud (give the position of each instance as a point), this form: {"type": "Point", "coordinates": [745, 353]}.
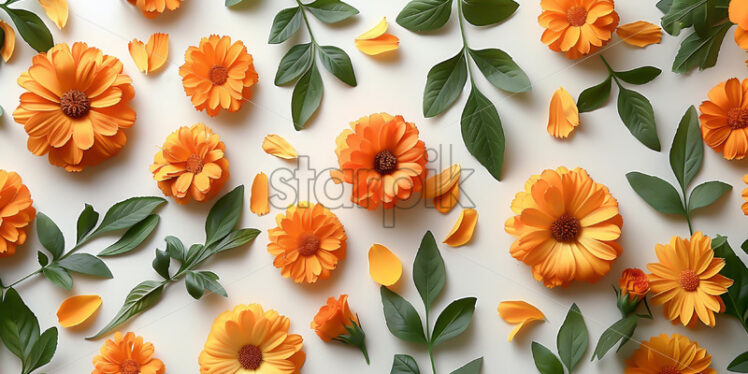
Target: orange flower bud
{"type": "Point", "coordinates": [332, 319]}
{"type": "Point", "coordinates": [634, 282]}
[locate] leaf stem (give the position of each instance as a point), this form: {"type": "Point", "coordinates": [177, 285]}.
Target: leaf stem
{"type": "Point", "coordinates": [685, 209]}
{"type": "Point", "coordinates": [306, 21]}
{"type": "Point", "coordinates": [23, 279]}
{"type": "Point", "coordinates": [465, 47]}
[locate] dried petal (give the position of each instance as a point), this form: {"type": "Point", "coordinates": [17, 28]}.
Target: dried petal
{"type": "Point", "coordinates": [640, 33]}
{"type": "Point", "coordinates": [10, 41]}
{"type": "Point", "coordinates": [439, 184]}
{"type": "Point", "coordinates": [446, 202]}
{"type": "Point", "coordinates": [279, 147]}
{"type": "Point", "coordinates": [259, 203]}
{"type": "Point", "coordinates": [563, 115]}
{"type": "Point", "coordinates": [376, 41]}
{"type": "Point", "coordinates": [384, 266]}
{"type": "Point", "coordinates": [520, 313]}
{"type": "Point", "coordinates": [463, 229]}
{"type": "Point", "coordinates": [77, 309]}
{"type": "Point", "coordinates": [57, 11]}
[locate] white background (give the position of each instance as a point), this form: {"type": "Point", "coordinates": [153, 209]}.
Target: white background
{"type": "Point", "coordinates": [178, 325]}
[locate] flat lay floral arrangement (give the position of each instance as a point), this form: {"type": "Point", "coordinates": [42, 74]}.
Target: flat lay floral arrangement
{"type": "Point", "coordinates": [78, 112]}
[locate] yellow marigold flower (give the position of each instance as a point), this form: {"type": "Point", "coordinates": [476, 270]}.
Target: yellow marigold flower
{"type": "Point", "coordinates": [16, 212]}
{"type": "Point", "coordinates": [127, 354]}
{"type": "Point", "coordinates": [152, 8]}
{"type": "Point", "coordinates": [670, 355]}
{"type": "Point", "coordinates": [577, 27]}
{"type": "Point", "coordinates": [567, 227]}
{"type": "Point", "coordinates": [687, 280]}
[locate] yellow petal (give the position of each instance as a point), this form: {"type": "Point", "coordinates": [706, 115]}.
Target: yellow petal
{"type": "Point", "coordinates": [463, 229]}
{"type": "Point", "coordinates": [10, 41]}
{"type": "Point", "coordinates": [382, 44]}
{"type": "Point", "coordinates": [57, 11]}
{"type": "Point", "coordinates": [259, 203]}
{"type": "Point", "coordinates": [139, 54]}
{"type": "Point", "coordinates": [640, 33]}
{"type": "Point", "coordinates": [446, 202]}
{"type": "Point", "coordinates": [439, 184]}
{"type": "Point", "coordinates": [279, 147]}
{"type": "Point", "coordinates": [376, 31]}
{"type": "Point", "coordinates": [520, 313]}
{"type": "Point", "coordinates": [384, 266]}
{"type": "Point", "coordinates": [157, 50]}
{"type": "Point", "coordinates": [563, 115]}
{"type": "Point", "coordinates": [77, 309]}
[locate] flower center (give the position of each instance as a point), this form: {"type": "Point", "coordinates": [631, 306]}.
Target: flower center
{"type": "Point", "coordinates": [385, 162]}
{"type": "Point", "coordinates": [194, 164]}
{"type": "Point", "coordinates": [250, 356]}
{"type": "Point", "coordinates": [737, 118]}
{"type": "Point", "coordinates": [218, 75]}
{"type": "Point", "coordinates": [130, 367]}
{"type": "Point", "coordinates": [75, 104]}
{"type": "Point", "coordinates": [669, 370]}
{"type": "Point", "coordinates": [309, 245]}
{"type": "Point", "coordinates": [566, 229]}
{"type": "Point", "coordinates": [689, 280]}
{"type": "Point", "coordinates": [576, 15]}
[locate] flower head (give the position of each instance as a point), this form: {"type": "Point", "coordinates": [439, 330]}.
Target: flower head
{"type": "Point", "coordinates": [382, 157]}
{"type": "Point", "coordinates": [577, 27]}
{"type": "Point", "coordinates": [76, 106]}
{"type": "Point", "coordinates": [738, 12]}
{"type": "Point", "coordinates": [16, 212]}
{"type": "Point", "coordinates": [218, 74]}
{"type": "Point", "coordinates": [670, 355]}
{"type": "Point", "coordinates": [152, 8]}
{"type": "Point", "coordinates": [724, 119]}
{"type": "Point", "coordinates": [634, 286]}
{"type": "Point", "coordinates": [308, 242]}
{"type": "Point", "coordinates": [191, 163]}
{"type": "Point", "coordinates": [335, 321]}
{"type": "Point", "coordinates": [248, 339]}
{"type": "Point", "coordinates": [127, 354]}
{"type": "Point", "coordinates": [566, 226]}
{"type": "Point", "coordinates": [687, 280]}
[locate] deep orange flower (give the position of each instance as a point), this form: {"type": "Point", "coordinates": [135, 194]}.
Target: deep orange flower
{"type": "Point", "coordinates": [332, 319]}
{"type": "Point", "coordinates": [738, 11]}
{"type": "Point", "coordinates": [127, 355]}
{"type": "Point", "coordinates": [308, 242]}
{"type": "Point", "coordinates": [218, 74]}
{"type": "Point", "coordinates": [152, 8]}
{"type": "Point", "coordinates": [382, 158]}
{"type": "Point", "coordinates": [670, 355]}
{"type": "Point", "coordinates": [577, 27]}
{"type": "Point", "coordinates": [745, 196]}
{"type": "Point", "coordinates": [634, 283]}
{"type": "Point", "coordinates": [16, 212]}
{"type": "Point", "coordinates": [76, 106]}
{"type": "Point", "coordinates": [724, 119]}
{"type": "Point", "coordinates": [191, 163]}
{"type": "Point", "coordinates": [567, 227]}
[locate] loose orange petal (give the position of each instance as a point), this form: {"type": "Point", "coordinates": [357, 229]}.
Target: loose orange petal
{"type": "Point", "coordinates": [77, 309]}
{"type": "Point", "coordinates": [446, 202]}
{"type": "Point", "coordinates": [376, 40]}
{"type": "Point", "coordinates": [139, 54]}
{"type": "Point", "coordinates": [57, 11]}
{"type": "Point", "coordinates": [10, 41]}
{"type": "Point", "coordinates": [279, 147]}
{"type": "Point", "coordinates": [376, 31]}
{"type": "Point", "coordinates": [440, 184]}
{"type": "Point", "coordinates": [158, 51]}
{"type": "Point", "coordinates": [519, 313]}
{"type": "Point", "coordinates": [384, 266]}
{"type": "Point", "coordinates": [463, 229]}
{"type": "Point", "coordinates": [563, 115]}
{"type": "Point", "coordinates": [259, 202]}
{"type": "Point", "coordinates": [640, 33]}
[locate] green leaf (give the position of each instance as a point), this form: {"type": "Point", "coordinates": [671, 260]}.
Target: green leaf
{"type": "Point", "coordinates": [425, 15]}
{"type": "Point", "coordinates": [32, 29]}
{"type": "Point", "coordinates": [736, 297]}
{"type": "Point", "coordinates": [306, 97]}
{"type": "Point", "coordinates": [638, 115]}
{"type": "Point", "coordinates": [85, 263]}
{"type": "Point", "coordinates": [58, 276]}
{"type": "Point", "coordinates": [42, 351]}
{"type": "Point", "coordinates": [140, 299]}
{"type": "Point", "coordinates": [622, 329]}
{"type": "Point", "coordinates": [680, 15]}
{"type": "Point", "coordinates": [161, 264]}
{"type": "Point", "coordinates": [175, 248]}
{"type": "Point", "coordinates": [195, 285]}
{"type": "Point", "coordinates": [42, 258]}
{"type": "Point", "coordinates": [135, 236]}
{"type": "Point", "coordinates": [706, 194]}
{"type": "Point", "coordinates": [454, 320]}
{"type": "Point", "coordinates": [640, 75]}
{"type": "Point", "coordinates": [482, 132]}
{"type": "Point", "coordinates": [698, 51]}
{"type": "Point", "coordinates": [404, 364]}
{"type": "Point", "coordinates": [199, 281]}
{"type": "Point", "coordinates": [687, 152]}
{"type": "Point", "coordinates": [337, 62]}
{"type": "Point", "coordinates": [572, 339]}
{"type": "Point", "coordinates": [594, 97]}
{"type": "Point", "coordinates": [429, 274]}
{"type": "Point", "coordinates": [210, 280]}
{"type": "Point", "coordinates": [331, 11]}
{"type": "Point", "coordinates": [501, 70]}
{"type": "Point", "coordinates": [744, 246]}
{"type": "Point", "coordinates": [86, 222]}
{"type": "Point", "coordinates": [19, 327]}
{"type": "Point", "coordinates": [230, 3]}
{"type": "Point", "coordinates": [488, 12]}
{"type": "Point", "coordinates": [236, 238]}
{"type": "Point", "coordinates": [296, 62]}
{"type": "Point", "coordinates": [127, 213]}
{"type": "Point", "coordinates": [50, 235]}
{"type": "Point", "coordinates": [224, 215]}
{"type": "Point", "coordinates": [664, 5]}
{"type": "Point", "coordinates": [444, 84]}
{"type": "Point", "coordinates": [472, 367]}
{"type": "Point", "coordinates": [658, 193]}
{"type": "Point", "coordinates": [545, 360]}
{"type": "Point", "coordinates": [739, 364]}
{"type": "Point", "coordinates": [402, 319]}
{"type": "Point", "coordinates": [285, 24]}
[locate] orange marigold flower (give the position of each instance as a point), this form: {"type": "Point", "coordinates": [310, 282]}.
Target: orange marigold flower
{"type": "Point", "coordinates": [248, 339]}
{"type": "Point", "coordinates": [567, 227]}
{"type": "Point", "coordinates": [16, 212]}
{"type": "Point", "coordinates": [738, 11]}
{"type": "Point", "coordinates": [687, 280]}
{"type": "Point", "coordinates": [191, 163]}
{"type": "Point", "coordinates": [127, 354]}
{"type": "Point", "coordinates": [669, 355]}
{"type": "Point", "coordinates": [218, 74]}
{"type": "Point", "coordinates": [308, 242]}
{"type": "Point", "coordinates": [382, 158]}
{"type": "Point", "coordinates": [335, 321]}
{"type": "Point", "coordinates": [152, 8]}
{"type": "Point", "coordinates": [76, 106]}
{"type": "Point", "coordinates": [724, 119]}
{"type": "Point", "coordinates": [577, 27]}
{"type": "Point", "coordinates": [634, 283]}
{"type": "Point", "coordinates": [745, 196]}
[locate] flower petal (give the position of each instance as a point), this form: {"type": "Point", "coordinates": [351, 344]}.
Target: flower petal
{"type": "Point", "coordinates": [77, 309]}
{"type": "Point", "coordinates": [279, 147]}
{"type": "Point", "coordinates": [382, 44]}
{"type": "Point", "coordinates": [520, 313]}
{"type": "Point", "coordinates": [440, 184]}
{"type": "Point", "coordinates": [259, 202]}
{"type": "Point", "coordinates": [563, 115]}
{"type": "Point", "coordinates": [158, 51]}
{"type": "Point", "coordinates": [138, 54]}
{"type": "Point", "coordinates": [375, 31]}
{"type": "Point", "coordinates": [9, 45]}
{"type": "Point", "coordinates": [640, 33]}
{"type": "Point", "coordinates": [463, 229]}
{"type": "Point", "coordinates": [385, 267]}
{"type": "Point", "coordinates": [57, 11]}
{"type": "Point", "coordinates": [446, 202]}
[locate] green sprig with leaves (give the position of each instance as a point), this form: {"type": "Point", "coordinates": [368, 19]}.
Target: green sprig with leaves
{"type": "Point", "coordinates": [300, 62]}
{"type": "Point", "coordinates": [30, 26]}
{"type": "Point", "coordinates": [480, 123]}
{"type": "Point", "coordinates": [736, 297]}
{"type": "Point", "coordinates": [20, 332]}
{"type": "Point", "coordinates": [403, 321]}
{"type": "Point", "coordinates": [220, 235]}
{"type": "Point", "coordinates": [623, 329]}
{"type": "Point", "coordinates": [571, 342]}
